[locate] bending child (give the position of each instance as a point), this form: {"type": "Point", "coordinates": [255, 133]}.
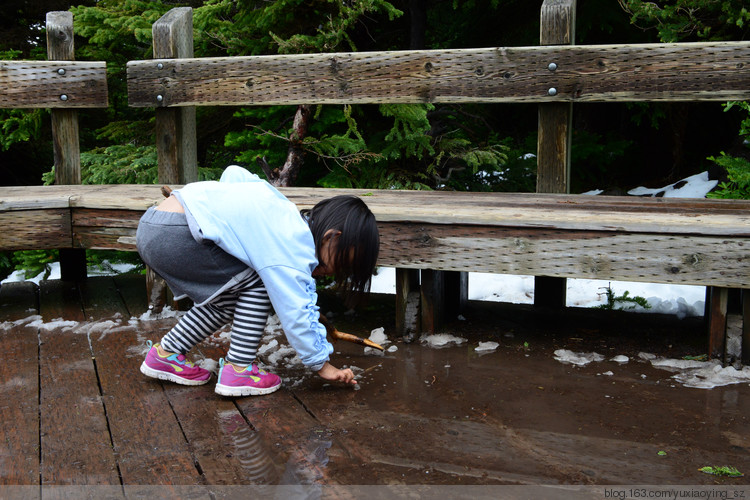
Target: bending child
{"type": "Point", "coordinates": [236, 247]}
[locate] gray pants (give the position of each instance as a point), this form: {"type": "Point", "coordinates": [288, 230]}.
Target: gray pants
{"type": "Point", "coordinates": [223, 288]}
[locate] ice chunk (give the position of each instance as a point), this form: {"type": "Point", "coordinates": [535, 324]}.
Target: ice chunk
{"type": "Point", "coordinates": [577, 358]}
{"type": "Point", "coordinates": [486, 346]}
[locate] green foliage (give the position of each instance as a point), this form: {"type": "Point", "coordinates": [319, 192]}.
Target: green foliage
{"type": "Point", "coordinates": [6, 264]}
{"type": "Point", "coordinates": [338, 20]}
{"type": "Point", "coordinates": [738, 173]}
{"type": "Point", "coordinates": [623, 302]}
{"type": "Point", "coordinates": [103, 261]}
{"type": "Point", "coordinates": [35, 262]}
{"type": "Point", "coordinates": [721, 470]}
{"type": "Point", "coordinates": [242, 27]}
{"type": "Point", "coordinates": [737, 168]}
{"type": "Point", "coordinates": [681, 20]}
{"type": "Point", "coordinates": [745, 106]}
{"type": "Point", "coordinates": [408, 135]}
{"type": "Point", "coordinates": [19, 125]}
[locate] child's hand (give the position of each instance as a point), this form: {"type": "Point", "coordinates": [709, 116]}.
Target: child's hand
{"type": "Point", "coordinates": [330, 372]}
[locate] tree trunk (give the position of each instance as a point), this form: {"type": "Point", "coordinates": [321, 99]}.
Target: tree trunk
{"type": "Point", "coordinates": [287, 175]}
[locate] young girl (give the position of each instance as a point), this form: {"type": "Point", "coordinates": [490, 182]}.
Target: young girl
{"type": "Point", "coordinates": [237, 247]}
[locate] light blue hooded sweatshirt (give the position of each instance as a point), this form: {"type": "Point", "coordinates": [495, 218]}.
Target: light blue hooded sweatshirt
{"type": "Point", "coordinates": [252, 221]}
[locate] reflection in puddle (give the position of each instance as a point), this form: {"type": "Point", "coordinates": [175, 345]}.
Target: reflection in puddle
{"type": "Point", "coordinates": [296, 461]}
{"type": "Point", "coordinates": [248, 447]}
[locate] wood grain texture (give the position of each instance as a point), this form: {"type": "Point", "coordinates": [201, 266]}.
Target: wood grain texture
{"type": "Point", "coordinates": [649, 72]}
{"type": "Point", "coordinates": [75, 444]}
{"type": "Point", "coordinates": [150, 445]}
{"type": "Point", "coordinates": [555, 135]}
{"type": "Point", "coordinates": [39, 84]}
{"type": "Point", "coordinates": [642, 257]}
{"type": "Point", "coordinates": [660, 240]}
{"type": "Point", "coordinates": [175, 128]}
{"type": "Point", "coordinates": [35, 229]}
{"type": "Point", "coordinates": [19, 388]}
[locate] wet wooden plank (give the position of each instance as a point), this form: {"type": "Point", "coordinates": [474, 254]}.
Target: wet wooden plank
{"type": "Point", "coordinates": [290, 442]}
{"type": "Point", "coordinates": [137, 407]}
{"type": "Point", "coordinates": [148, 442]}
{"type": "Point", "coordinates": [19, 387]}
{"type": "Point", "coordinates": [18, 300]}
{"type": "Point", "coordinates": [75, 446]}
{"type": "Point", "coordinates": [222, 441]}
{"type": "Point", "coordinates": [101, 299]}
{"type": "Point", "coordinates": [215, 430]}
{"type": "Point", "coordinates": [132, 289]}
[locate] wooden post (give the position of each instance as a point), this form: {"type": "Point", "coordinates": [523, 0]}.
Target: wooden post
{"type": "Point", "coordinates": [716, 309]}
{"type": "Point", "coordinates": [554, 136]}
{"type": "Point", "coordinates": [175, 130]}
{"type": "Point", "coordinates": [67, 153]}
{"type": "Point", "coordinates": [175, 127]}
{"type": "Point", "coordinates": [407, 303]}
{"type": "Point", "coordinates": [432, 291]}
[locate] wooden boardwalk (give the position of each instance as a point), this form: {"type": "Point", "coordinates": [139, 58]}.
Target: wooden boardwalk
{"type": "Point", "coordinates": [76, 411]}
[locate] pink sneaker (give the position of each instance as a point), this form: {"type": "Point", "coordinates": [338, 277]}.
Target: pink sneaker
{"type": "Point", "coordinates": [248, 381]}
{"type": "Point", "coordinates": [173, 367]}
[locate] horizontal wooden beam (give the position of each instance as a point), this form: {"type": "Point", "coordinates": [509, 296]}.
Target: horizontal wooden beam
{"type": "Point", "coordinates": [714, 71]}
{"type": "Point", "coordinates": [35, 229]}
{"type": "Point", "coordinates": [641, 257]}
{"type": "Point", "coordinates": [625, 214]}
{"type": "Point", "coordinates": [656, 240]}
{"type": "Point", "coordinates": [53, 84]}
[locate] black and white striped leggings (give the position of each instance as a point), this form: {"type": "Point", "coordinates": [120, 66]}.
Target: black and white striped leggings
{"type": "Point", "coordinates": [245, 304]}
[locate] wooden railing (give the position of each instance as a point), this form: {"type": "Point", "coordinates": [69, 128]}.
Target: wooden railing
{"type": "Point", "coordinates": [64, 85]}
{"type": "Point", "coordinates": [429, 234]}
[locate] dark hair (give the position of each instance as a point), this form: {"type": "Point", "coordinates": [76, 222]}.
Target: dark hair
{"type": "Point", "coordinates": [357, 248]}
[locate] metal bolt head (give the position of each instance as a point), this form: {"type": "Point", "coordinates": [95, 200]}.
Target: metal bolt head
{"type": "Point", "coordinates": [64, 97]}
{"type": "Point", "coordinates": [159, 66]}
{"type": "Point", "coordinates": [61, 71]}
{"type": "Point", "coordinates": [552, 91]}
{"type": "Point", "coordinates": [552, 66]}
{"type": "Point", "coordinates": [159, 98]}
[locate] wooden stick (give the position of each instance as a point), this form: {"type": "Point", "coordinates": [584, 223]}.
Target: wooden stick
{"type": "Point", "coordinates": [337, 335]}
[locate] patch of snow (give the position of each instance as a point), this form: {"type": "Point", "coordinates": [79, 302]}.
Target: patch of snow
{"type": "Point", "coordinates": [695, 186]}
{"type": "Point", "coordinates": [441, 340]}
{"type": "Point", "coordinates": [379, 337]}
{"type": "Point", "coordinates": [689, 372]}
{"type": "Point", "coordinates": [65, 325]}
{"type": "Point", "coordinates": [165, 313]}
{"type": "Point", "coordinates": [713, 375]}
{"type": "Point", "coordinates": [487, 346]}
{"type": "Point", "coordinates": [577, 358]}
